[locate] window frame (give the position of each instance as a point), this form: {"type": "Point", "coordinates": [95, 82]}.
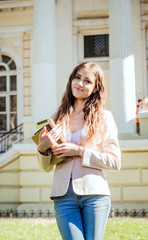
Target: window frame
{"type": "Point", "coordinates": [80, 49]}
{"type": "Point", "coordinates": [8, 93]}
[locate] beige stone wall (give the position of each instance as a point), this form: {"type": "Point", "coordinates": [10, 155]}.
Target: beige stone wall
{"type": "Point", "coordinates": [13, 15]}
{"type": "Point", "coordinates": [9, 183]}
{"type": "Point", "coordinates": [35, 184]}
{"type": "Point", "coordinates": [130, 184]}
{"type": "Point", "coordinates": [92, 8]}
{"type": "Point", "coordinates": [23, 182]}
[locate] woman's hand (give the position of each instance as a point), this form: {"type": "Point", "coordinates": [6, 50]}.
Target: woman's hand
{"type": "Point", "coordinates": [48, 139]}
{"type": "Point", "coordinates": [67, 150]}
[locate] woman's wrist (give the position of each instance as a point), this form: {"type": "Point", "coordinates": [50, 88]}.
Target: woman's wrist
{"type": "Point", "coordinates": [81, 151]}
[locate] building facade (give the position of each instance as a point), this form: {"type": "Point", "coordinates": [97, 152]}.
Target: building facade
{"type": "Point", "coordinates": [40, 44]}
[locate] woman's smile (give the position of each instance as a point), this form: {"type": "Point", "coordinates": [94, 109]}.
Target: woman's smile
{"type": "Point", "coordinates": [79, 89]}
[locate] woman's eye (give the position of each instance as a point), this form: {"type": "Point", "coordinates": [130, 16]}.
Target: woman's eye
{"type": "Point", "coordinates": [88, 81]}
{"type": "Point", "coordinates": [77, 77]}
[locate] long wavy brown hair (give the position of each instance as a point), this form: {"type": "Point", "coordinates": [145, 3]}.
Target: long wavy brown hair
{"type": "Point", "coordinates": [93, 107]}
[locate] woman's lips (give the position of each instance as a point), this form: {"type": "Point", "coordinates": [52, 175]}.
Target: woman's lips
{"type": "Point", "coordinates": [78, 89]}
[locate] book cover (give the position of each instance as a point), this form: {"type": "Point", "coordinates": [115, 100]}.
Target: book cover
{"type": "Point", "coordinates": [49, 123]}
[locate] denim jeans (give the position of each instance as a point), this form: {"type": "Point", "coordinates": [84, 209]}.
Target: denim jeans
{"type": "Point", "coordinates": [81, 217]}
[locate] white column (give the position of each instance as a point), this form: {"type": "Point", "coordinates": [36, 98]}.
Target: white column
{"type": "Point", "coordinates": [122, 72]}
{"type": "Point", "coordinates": [144, 60]}
{"type": "Point", "coordinates": [44, 94]}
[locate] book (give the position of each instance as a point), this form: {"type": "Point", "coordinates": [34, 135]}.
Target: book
{"type": "Point", "coordinates": [49, 123]}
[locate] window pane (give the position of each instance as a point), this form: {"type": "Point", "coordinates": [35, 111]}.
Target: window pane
{"type": "Point", "coordinates": [3, 122]}
{"type": "Point", "coordinates": [13, 103]}
{"type": "Point", "coordinates": [2, 83]}
{"type": "Point", "coordinates": [9, 61]}
{"type": "Point", "coordinates": [96, 45]}
{"type": "Point", "coordinates": [12, 83]}
{"type": "Point", "coordinates": [12, 65]}
{"type": "Point", "coordinates": [13, 121]}
{"type": "Point", "coordinates": [2, 104]}
{"type": "Point", "coordinates": [5, 59]}
{"type": "Point", "coordinates": [2, 68]}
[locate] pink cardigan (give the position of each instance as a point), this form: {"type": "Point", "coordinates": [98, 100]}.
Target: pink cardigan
{"type": "Point", "coordinates": [87, 173]}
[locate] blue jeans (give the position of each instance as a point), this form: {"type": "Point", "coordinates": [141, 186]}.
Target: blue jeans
{"type": "Point", "coordinates": [81, 217]}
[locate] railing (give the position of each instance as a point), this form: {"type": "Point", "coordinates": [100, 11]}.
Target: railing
{"type": "Point", "coordinates": [15, 135]}
{"type": "Point", "coordinates": [129, 213]}
{"type": "Point", "coordinates": [14, 213]}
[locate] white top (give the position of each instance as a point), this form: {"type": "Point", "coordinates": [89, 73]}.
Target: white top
{"type": "Point", "coordinates": [75, 136]}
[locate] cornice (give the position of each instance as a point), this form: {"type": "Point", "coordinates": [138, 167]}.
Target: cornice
{"type": "Point", "coordinates": [16, 4]}
{"type": "Point", "coordinates": [16, 29]}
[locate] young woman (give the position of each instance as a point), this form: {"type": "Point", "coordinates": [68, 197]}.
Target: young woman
{"type": "Point", "coordinates": [80, 191]}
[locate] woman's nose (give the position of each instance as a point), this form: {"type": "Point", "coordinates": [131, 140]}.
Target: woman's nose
{"type": "Point", "coordinates": [80, 83]}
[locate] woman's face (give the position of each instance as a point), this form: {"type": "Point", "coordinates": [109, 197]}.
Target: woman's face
{"type": "Point", "coordinates": [83, 84]}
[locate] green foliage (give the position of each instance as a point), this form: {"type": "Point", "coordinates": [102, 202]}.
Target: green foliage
{"type": "Point", "coordinates": [46, 229]}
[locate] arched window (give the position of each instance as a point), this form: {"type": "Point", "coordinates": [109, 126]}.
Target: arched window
{"type": "Point", "coordinates": [8, 94]}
